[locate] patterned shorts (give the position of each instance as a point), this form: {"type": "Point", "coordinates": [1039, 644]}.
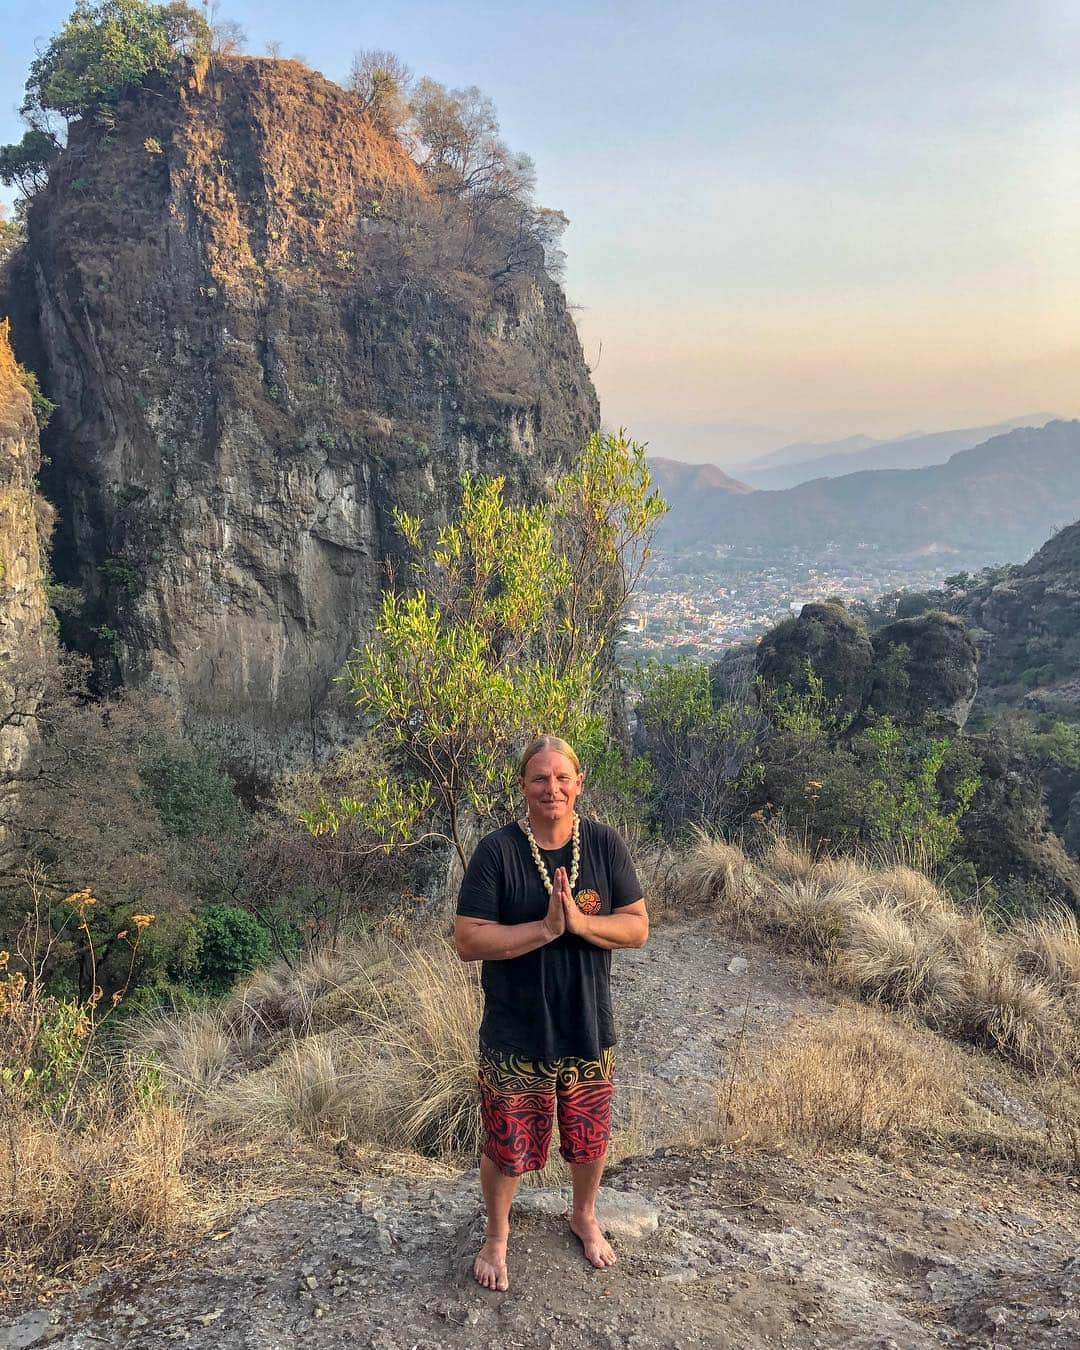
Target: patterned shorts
{"type": "Point", "coordinates": [519, 1098]}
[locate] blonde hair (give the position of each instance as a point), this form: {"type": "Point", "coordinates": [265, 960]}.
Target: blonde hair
{"type": "Point", "coordinates": [555, 743]}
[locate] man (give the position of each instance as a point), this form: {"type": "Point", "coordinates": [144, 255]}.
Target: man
{"type": "Point", "coordinates": [544, 902]}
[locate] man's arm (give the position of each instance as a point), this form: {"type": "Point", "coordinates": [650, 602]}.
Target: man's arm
{"type": "Point", "coordinates": [487, 940]}
{"type": "Point", "coordinates": [625, 927]}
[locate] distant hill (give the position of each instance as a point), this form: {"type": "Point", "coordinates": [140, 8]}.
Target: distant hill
{"type": "Point", "coordinates": [994, 502]}
{"type": "Point", "coordinates": [681, 484]}
{"type": "Point", "coordinates": [787, 467]}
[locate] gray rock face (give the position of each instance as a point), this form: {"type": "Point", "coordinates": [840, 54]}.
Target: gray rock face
{"type": "Point", "coordinates": [25, 646]}
{"type": "Point", "coordinates": [252, 370]}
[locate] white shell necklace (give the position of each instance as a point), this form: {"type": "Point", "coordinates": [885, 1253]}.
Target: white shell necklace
{"type": "Point", "coordinates": [541, 866]}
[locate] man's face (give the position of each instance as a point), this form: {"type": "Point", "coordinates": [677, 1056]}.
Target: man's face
{"type": "Point", "coordinates": [551, 785]}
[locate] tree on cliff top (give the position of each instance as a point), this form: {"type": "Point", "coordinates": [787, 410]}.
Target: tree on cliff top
{"type": "Point", "coordinates": [105, 48]}
{"type": "Point", "coordinates": [102, 50]}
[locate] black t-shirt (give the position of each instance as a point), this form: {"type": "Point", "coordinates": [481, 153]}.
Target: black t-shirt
{"type": "Point", "coordinates": [553, 1001]}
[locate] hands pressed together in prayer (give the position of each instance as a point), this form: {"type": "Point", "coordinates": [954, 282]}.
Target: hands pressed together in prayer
{"type": "Point", "coordinates": [563, 915]}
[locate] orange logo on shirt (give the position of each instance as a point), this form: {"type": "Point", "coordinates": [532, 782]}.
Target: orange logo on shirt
{"type": "Point", "coordinates": [588, 902]}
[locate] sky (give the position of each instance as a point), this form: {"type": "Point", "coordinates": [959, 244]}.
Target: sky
{"type": "Point", "coordinates": [789, 221]}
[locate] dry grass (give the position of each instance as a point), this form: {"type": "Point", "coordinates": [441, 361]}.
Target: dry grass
{"type": "Point", "coordinates": [787, 860]}
{"type": "Point", "coordinates": [1017, 1015]}
{"type": "Point", "coordinates": [1049, 949]}
{"type": "Point", "coordinates": [78, 1197]}
{"type": "Point", "coordinates": [717, 874]}
{"type": "Point", "coordinates": [856, 1080]}
{"type": "Point", "coordinates": [888, 959]}
{"type": "Point", "coordinates": [386, 1058]}
{"type": "Point", "coordinates": [814, 917]}
{"type": "Point", "coordinates": [868, 1081]}
{"type": "Point", "coordinates": [892, 937]}
{"type": "Point", "coordinates": [658, 869]}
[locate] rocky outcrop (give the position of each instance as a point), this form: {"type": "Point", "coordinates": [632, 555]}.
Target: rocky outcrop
{"type": "Point", "coordinates": [1006, 832]}
{"type": "Point", "coordinates": [259, 346]}
{"type": "Point", "coordinates": [25, 522]}
{"type": "Point", "coordinates": [834, 644]}
{"type": "Point", "coordinates": [1027, 626]}
{"type": "Point", "coordinates": [925, 671]}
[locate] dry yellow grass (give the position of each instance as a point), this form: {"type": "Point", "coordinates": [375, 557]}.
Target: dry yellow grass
{"type": "Point", "coordinates": [395, 1069]}
{"type": "Point", "coordinates": [787, 860]}
{"type": "Point", "coordinates": [854, 1080]}
{"type": "Point", "coordinates": [76, 1197]}
{"type": "Point", "coordinates": [718, 875]}
{"type": "Point", "coordinates": [1014, 1013]}
{"type": "Point", "coordinates": [1048, 948]}
{"type": "Point", "coordinates": [886, 958]}
{"type": "Point", "coordinates": [892, 937]}
{"type": "Point", "coordinates": [865, 1080]}
{"type": "Point", "coordinates": [814, 916]}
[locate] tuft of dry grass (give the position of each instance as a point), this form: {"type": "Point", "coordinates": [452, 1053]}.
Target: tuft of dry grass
{"type": "Point", "coordinates": [814, 913]}
{"type": "Point", "coordinates": [787, 860]}
{"type": "Point", "coordinates": [1048, 947]}
{"type": "Point", "coordinates": [719, 875]}
{"type": "Point", "coordinates": [283, 997]}
{"type": "Point", "coordinates": [865, 1080]}
{"type": "Point", "coordinates": [424, 1034]}
{"type": "Point", "coordinates": [195, 1051]}
{"type": "Point", "coordinates": [855, 1080]}
{"type": "Point", "coordinates": [888, 959]}
{"type": "Point", "coordinates": [892, 937]}
{"type": "Point", "coordinates": [397, 1070]}
{"type": "Point", "coordinates": [658, 869]}
{"type": "Point", "coordinates": [1015, 1014]}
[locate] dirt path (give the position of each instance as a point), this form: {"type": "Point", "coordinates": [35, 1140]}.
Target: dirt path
{"type": "Point", "coordinates": [686, 1005]}
{"type": "Point", "coordinates": [717, 1249]}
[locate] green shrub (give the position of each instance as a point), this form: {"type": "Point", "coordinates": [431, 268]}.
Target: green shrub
{"type": "Point", "coordinates": [233, 943]}
{"type": "Point", "coordinates": [193, 795]}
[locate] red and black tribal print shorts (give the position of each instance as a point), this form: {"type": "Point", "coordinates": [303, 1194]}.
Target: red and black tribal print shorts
{"type": "Point", "coordinates": [519, 1097]}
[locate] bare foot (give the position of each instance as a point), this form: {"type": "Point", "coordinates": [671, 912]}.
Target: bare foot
{"type": "Point", "coordinates": [490, 1264]}
{"type": "Point", "coordinates": [597, 1248]}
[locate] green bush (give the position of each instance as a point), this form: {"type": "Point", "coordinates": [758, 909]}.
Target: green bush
{"type": "Point", "coordinates": [233, 943]}
{"type": "Point", "coordinates": [193, 795]}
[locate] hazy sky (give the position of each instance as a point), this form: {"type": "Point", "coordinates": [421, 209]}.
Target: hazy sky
{"type": "Point", "coordinates": [789, 220]}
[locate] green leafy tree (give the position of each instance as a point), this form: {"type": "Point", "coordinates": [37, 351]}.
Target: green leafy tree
{"type": "Point", "coordinates": [105, 48]}
{"type": "Point", "coordinates": [508, 629]}
{"type": "Point", "coordinates": [25, 165]}
{"type": "Point", "coordinates": [233, 942]}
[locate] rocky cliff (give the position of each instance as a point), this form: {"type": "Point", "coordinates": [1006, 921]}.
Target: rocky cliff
{"type": "Point", "coordinates": [259, 345]}
{"type": "Point", "coordinates": [25, 522]}
{"type": "Point", "coordinates": [1028, 626]}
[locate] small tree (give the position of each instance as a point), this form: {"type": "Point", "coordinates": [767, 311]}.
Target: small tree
{"type": "Point", "coordinates": [382, 82]}
{"type": "Point", "coordinates": [704, 751]}
{"type": "Point", "coordinates": [25, 164]}
{"type": "Point", "coordinates": [508, 630]}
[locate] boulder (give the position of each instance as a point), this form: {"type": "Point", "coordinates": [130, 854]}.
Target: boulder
{"type": "Point", "coordinates": [925, 671]}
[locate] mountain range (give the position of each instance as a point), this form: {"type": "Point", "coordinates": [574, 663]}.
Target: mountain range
{"type": "Point", "coordinates": [994, 502]}
{"type": "Point", "coordinates": [803, 460]}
